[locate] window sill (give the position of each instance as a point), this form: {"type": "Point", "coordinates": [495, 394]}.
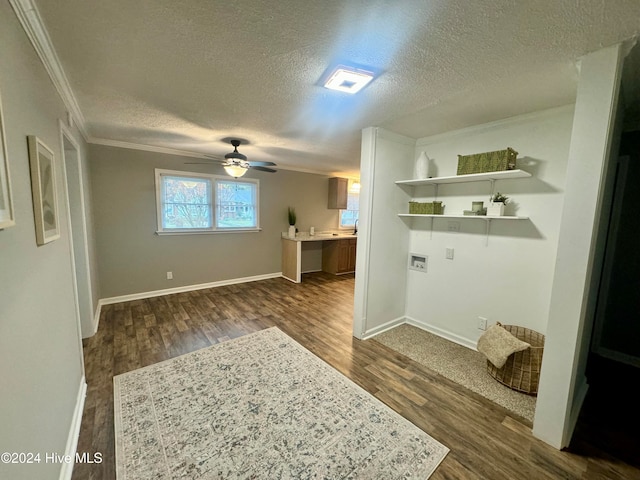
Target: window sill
{"type": "Point", "coordinates": [209, 232]}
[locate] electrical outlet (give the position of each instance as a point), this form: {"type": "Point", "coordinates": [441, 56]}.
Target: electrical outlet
{"type": "Point", "coordinates": [449, 253]}
{"type": "Point", "coordinates": [482, 323]}
{"type": "Point", "coordinates": [169, 275]}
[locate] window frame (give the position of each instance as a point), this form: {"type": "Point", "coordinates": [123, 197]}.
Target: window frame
{"type": "Point", "coordinates": [349, 226]}
{"type": "Point", "coordinates": [214, 180]}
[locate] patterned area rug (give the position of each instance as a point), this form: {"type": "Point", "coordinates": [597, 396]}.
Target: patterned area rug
{"type": "Point", "coordinates": [260, 406]}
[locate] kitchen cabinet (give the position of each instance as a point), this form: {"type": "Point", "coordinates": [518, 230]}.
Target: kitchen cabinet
{"type": "Point", "coordinates": [338, 253]}
{"type": "Point", "coordinates": [339, 256]}
{"type": "Point", "coordinates": [338, 193]}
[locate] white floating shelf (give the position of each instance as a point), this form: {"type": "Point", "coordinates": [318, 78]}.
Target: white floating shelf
{"type": "Point", "coordinates": [473, 217]}
{"type": "Point", "coordinates": [472, 177]}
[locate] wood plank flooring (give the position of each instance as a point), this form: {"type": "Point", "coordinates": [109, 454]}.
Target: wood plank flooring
{"type": "Point", "coordinates": [486, 441]}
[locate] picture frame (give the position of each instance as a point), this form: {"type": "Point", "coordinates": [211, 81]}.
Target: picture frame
{"type": "Point", "coordinates": [44, 191]}
{"type": "Point", "coordinates": [7, 218]}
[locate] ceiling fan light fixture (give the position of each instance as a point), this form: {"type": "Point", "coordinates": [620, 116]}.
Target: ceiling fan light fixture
{"type": "Point", "coordinates": [235, 155]}
{"type": "Point", "coordinates": [235, 170]}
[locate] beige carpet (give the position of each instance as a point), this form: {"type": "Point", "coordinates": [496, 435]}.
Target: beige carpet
{"type": "Point", "coordinates": [457, 363]}
{"type": "Point", "coordinates": [260, 406]}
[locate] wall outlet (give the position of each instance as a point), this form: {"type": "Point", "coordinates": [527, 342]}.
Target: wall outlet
{"type": "Point", "coordinates": [169, 275]}
{"type": "Point", "coordinates": [482, 323]}
{"type": "Point", "coordinates": [449, 253]}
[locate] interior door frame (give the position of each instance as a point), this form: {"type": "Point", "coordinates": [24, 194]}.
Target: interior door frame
{"type": "Point", "coordinates": [78, 235]}
{"type": "Point", "coordinates": [607, 268]}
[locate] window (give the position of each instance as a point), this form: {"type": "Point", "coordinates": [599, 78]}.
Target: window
{"type": "Point", "coordinates": [236, 204]}
{"type": "Point", "coordinates": [199, 203]}
{"type": "Point", "coordinates": [349, 216]}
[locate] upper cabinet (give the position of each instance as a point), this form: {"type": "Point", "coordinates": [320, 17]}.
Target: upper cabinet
{"type": "Point", "coordinates": [338, 193]}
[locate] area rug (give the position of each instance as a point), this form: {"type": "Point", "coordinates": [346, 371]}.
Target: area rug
{"type": "Point", "coordinates": [457, 363]}
{"type": "Point", "coordinates": [260, 406]}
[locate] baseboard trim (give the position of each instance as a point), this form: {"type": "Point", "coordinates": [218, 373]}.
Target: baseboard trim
{"type": "Point", "coordinates": [66, 470]}
{"type": "Point", "coordinates": [465, 342]}
{"type": "Point", "coordinates": [96, 318]}
{"type": "Point", "coordinates": [186, 288]}
{"type": "Point", "coordinates": [383, 328]}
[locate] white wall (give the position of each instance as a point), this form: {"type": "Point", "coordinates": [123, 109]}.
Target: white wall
{"type": "Point", "coordinates": [41, 366]}
{"type": "Point", "coordinates": [562, 382]}
{"type": "Point", "coordinates": [509, 279]}
{"type": "Point", "coordinates": [381, 257]}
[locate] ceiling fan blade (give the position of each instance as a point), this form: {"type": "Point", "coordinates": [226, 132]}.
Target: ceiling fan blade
{"type": "Point", "coordinates": [264, 169]}
{"type": "Point", "coordinates": [262, 164]}
{"type": "Point", "coordinates": [198, 163]}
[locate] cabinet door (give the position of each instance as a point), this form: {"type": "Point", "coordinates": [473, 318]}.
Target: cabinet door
{"type": "Point", "coordinates": [352, 255]}
{"type": "Point", "coordinates": [343, 256]}
{"type": "Point", "coordinates": [338, 192]}
{"type": "Point", "coordinates": [339, 256]}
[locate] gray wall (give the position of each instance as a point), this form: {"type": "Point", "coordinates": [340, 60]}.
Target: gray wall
{"type": "Point", "coordinates": [133, 259]}
{"type": "Point", "coordinates": [40, 350]}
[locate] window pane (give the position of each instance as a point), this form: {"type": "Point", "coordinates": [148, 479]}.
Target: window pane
{"type": "Point", "coordinates": [349, 216]}
{"type": "Point", "coordinates": [236, 203]}
{"type": "Point", "coordinates": [186, 202]}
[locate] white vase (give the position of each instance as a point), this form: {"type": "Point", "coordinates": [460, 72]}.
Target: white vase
{"type": "Point", "coordinates": [421, 169]}
{"type": "Point", "coordinates": [292, 231]}
{"type": "Point", "coordinates": [495, 209]}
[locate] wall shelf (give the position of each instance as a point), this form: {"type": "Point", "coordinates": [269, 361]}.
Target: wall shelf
{"type": "Point", "coordinates": [472, 177]}
{"type": "Point", "coordinates": [487, 219]}
{"type": "Point", "coordinates": [472, 217]}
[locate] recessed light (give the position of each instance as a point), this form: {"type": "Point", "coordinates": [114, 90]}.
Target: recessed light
{"type": "Point", "coordinates": [349, 80]}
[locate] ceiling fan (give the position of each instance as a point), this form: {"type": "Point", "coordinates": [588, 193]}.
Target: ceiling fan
{"type": "Point", "coordinates": [236, 164]}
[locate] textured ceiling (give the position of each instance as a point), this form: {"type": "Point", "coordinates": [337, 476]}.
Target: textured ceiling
{"type": "Point", "coordinates": [187, 74]}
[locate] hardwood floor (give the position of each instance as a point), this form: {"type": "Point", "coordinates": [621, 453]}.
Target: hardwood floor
{"type": "Point", "coordinates": [486, 441]}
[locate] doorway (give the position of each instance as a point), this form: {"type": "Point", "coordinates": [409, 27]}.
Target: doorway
{"type": "Point", "coordinates": [78, 226]}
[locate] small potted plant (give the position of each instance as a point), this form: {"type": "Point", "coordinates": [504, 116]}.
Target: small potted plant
{"type": "Point", "coordinates": [291, 215]}
{"type": "Point", "coordinates": [496, 208]}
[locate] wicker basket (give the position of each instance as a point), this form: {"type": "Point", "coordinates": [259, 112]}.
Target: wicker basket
{"type": "Point", "coordinates": [495, 161]}
{"type": "Point", "coordinates": [522, 370]}
{"type": "Point", "coordinates": [430, 208]}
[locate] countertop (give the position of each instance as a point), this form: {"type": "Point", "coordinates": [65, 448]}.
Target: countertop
{"type": "Point", "coordinates": [318, 237]}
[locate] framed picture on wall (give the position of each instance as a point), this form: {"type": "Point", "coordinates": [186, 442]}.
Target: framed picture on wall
{"type": "Point", "coordinates": [43, 189]}
{"type": "Point", "coordinates": [6, 206]}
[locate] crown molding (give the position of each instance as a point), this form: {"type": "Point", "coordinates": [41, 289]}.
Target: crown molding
{"type": "Point", "coordinates": [33, 26]}
{"type": "Point", "coordinates": [147, 148]}
{"type": "Point", "coordinates": [185, 153]}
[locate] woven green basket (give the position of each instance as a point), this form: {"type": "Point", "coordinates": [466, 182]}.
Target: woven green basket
{"type": "Point", "coordinates": [425, 208]}
{"type": "Point", "coordinates": [495, 161]}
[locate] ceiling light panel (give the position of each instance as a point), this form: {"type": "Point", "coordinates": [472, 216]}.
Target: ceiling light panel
{"type": "Point", "coordinates": [349, 80]}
